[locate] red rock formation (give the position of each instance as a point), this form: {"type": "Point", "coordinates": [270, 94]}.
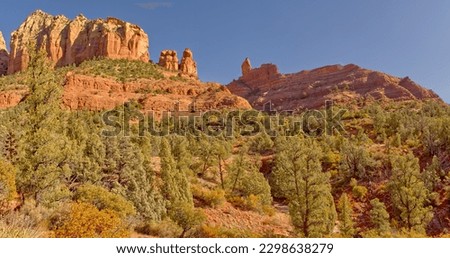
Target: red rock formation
{"type": "Point", "coordinates": [95, 93]}
{"type": "Point", "coordinates": [188, 66]}
{"type": "Point", "coordinates": [71, 42]}
{"type": "Point", "coordinates": [169, 60]}
{"type": "Point", "coordinates": [11, 98]}
{"type": "Point", "coordinates": [310, 89]}
{"type": "Point", "coordinates": [246, 67]}
{"type": "Point", "coordinates": [4, 56]}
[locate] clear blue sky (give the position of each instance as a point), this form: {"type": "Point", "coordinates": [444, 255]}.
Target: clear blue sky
{"type": "Point", "coordinates": [399, 37]}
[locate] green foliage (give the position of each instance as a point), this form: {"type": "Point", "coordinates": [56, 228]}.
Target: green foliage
{"type": "Point", "coordinates": [86, 221]}
{"type": "Point", "coordinates": [356, 161]}
{"type": "Point", "coordinates": [103, 199]}
{"type": "Point", "coordinates": [176, 188]}
{"type": "Point", "coordinates": [165, 228]}
{"type": "Point", "coordinates": [120, 69]}
{"type": "Point", "coordinates": [210, 198]}
{"type": "Point", "coordinates": [44, 149]}
{"type": "Point", "coordinates": [244, 179]}
{"type": "Point", "coordinates": [128, 173]}
{"type": "Point", "coordinates": [409, 194]}
{"type": "Point", "coordinates": [299, 175]}
{"type": "Point", "coordinates": [431, 175]}
{"type": "Point", "coordinates": [379, 217]}
{"type": "Point", "coordinates": [186, 216]}
{"type": "Point", "coordinates": [358, 191]}
{"type": "Point", "coordinates": [345, 211]}
{"type": "Point", "coordinates": [8, 189]}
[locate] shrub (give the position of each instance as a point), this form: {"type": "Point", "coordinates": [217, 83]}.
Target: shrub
{"type": "Point", "coordinates": [7, 183]}
{"type": "Point", "coordinates": [210, 198]}
{"type": "Point", "coordinates": [165, 228]}
{"type": "Point", "coordinates": [187, 217]}
{"type": "Point", "coordinates": [84, 220]}
{"type": "Point", "coordinates": [18, 225]}
{"type": "Point", "coordinates": [359, 192]}
{"type": "Point", "coordinates": [103, 199]}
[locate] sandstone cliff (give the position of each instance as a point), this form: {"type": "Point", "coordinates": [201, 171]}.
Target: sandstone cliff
{"type": "Point", "coordinates": [73, 41]}
{"type": "Point", "coordinates": [95, 93]}
{"type": "Point", "coordinates": [310, 89]}
{"type": "Point", "coordinates": [4, 56]}
{"type": "Point", "coordinates": [89, 92]}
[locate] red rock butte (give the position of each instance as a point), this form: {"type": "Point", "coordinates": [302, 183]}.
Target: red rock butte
{"type": "Point", "coordinates": [311, 88]}
{"type": "Point", "coordinates": [74, 41]}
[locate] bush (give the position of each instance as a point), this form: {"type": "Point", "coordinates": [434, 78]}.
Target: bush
{"type": "Point", "coordinates": [165, 228]}
{"type": "Point", "coordinates": [359, 192]}
{"type": "Point", "coordinates": [210, 198]}
{"type": "Point", "coordinates": [84, 220]}
{"type": "Point", "coordinates": [18, 225]}
{"type": "Point", "coordinates": [251, 203]}
{"type": "Point", "coordinates": [187, 217]}
{"type": "Point", "coordinates": [103, 199]}
{"type": "Point", "coordinates": [7, 183]}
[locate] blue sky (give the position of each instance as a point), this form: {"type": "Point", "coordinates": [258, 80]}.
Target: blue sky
{"type": "Point", "coordinates": [399, 37]}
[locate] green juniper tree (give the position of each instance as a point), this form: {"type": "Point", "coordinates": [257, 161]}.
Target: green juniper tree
{"type": "Point", "coordinates": [345, 211]}
{"type": "Point", "coordinates": [299, 175]}
{"type": "Point", "coordinates": [44, 150]}
{"type": "Point", "coordinates": [409, 194]}
{"type": "Point", "coordinates": [379, 217]}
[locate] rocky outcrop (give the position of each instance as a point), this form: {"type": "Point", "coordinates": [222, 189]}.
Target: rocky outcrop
{"type": "Point", "coordinates": [73, 41]}
{"type": "Point", "coordinates": [95, 93]}
{"type": "Point", "coordinates": [10, 98]}
{"type": "Point", "coordinates": [246, 67]}
{"type": "Point", "coordinates": [4, 56]}
{"type": "Point", "coordinates": [169, 60]}
{"type": "Point", "coordinates": [188, 66]}
{"type": "Point", "coordinates": [310, 89]}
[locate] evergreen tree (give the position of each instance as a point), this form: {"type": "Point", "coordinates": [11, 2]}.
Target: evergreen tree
{"type": "Point", "coordinates": [44, 150]}
{"type": "Point", "coordinates": [345, 211]}
{"type": "Point", "coordinates": [176, 188]}
{"type": "Point", "coordinates": [431, 175]}
{"type": "Point", "coordinates": [409, 194]}
{"type": "Point", "coordinates": [379, 217]}
{"type": "Point", "coordinates": [356, 161]}
{"type": "Point", "coordinates": [298, 173]}
{"type": "Point", "coordinates": [127, 173]}
{"type": "Point", "coordinates": [245, 179]}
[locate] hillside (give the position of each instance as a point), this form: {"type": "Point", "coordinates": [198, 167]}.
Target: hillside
{"type": "Point", "coordinates": [82, 156]}
{"type": "Point", "coordinates": [311, 88]}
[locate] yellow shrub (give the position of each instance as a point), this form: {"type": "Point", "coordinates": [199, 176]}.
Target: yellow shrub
{"type": "Point", "coordinates": [86, 221]}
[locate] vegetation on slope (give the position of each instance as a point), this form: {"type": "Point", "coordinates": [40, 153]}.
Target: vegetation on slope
{"type": "Point", "coordinates": [386, 175]}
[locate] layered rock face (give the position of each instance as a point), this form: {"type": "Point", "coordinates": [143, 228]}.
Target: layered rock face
{"type": "Point", "coordinates": [73, 41]}
{"type": "Point", "coordinates": [310, 89]}
{"type": "Point", "coordinates": [169, 60]}
{"type": "Point", "coordinates": [4, 56]}
{"type": "Point", "coordinates": [188, 66]}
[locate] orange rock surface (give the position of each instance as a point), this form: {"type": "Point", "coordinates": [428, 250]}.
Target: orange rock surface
{"type": "Point", "coordinates": [311, 88]}
{"type": "Point", "coordinates": [73, 41]}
